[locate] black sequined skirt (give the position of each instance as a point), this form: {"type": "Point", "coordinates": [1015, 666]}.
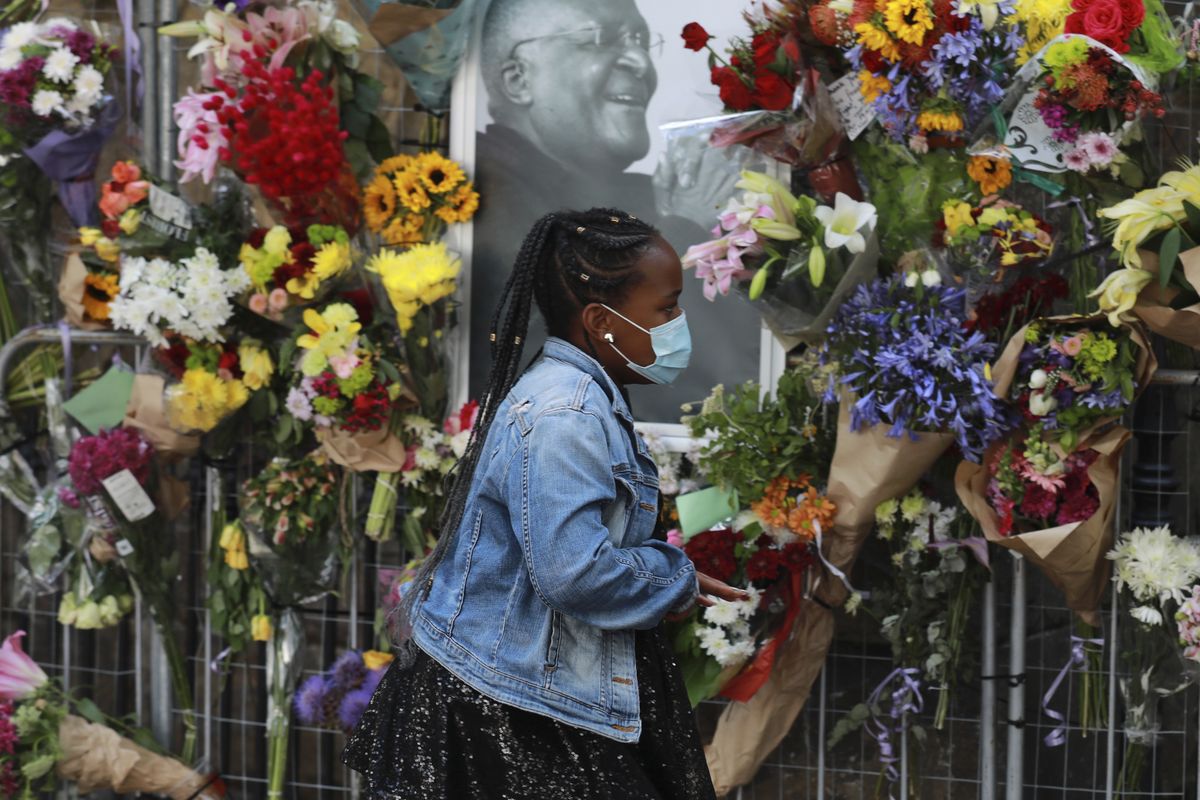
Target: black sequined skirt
{"type": "Point", "coordinates": [426, 735]}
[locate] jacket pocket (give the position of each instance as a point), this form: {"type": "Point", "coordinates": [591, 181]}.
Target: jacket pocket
{"type": "Point", "coordinates": [466, 574]}
{"type": "Point", "coordinates": [551, 660]}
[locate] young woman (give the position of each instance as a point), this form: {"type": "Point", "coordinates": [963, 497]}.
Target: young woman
{"type": "Point", "coordinates": [535, 664]}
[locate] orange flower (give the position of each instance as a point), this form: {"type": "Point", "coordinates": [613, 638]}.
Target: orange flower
{"type": "Point", "coordinates": [796, 505]}
{"type": "Point", "coordinates": [992, 174]}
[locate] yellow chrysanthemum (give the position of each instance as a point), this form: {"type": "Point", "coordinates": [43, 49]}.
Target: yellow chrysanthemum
{"type": "Point", "coordinates": [1042, 20]}
{"type": "Point", "coordinates": [304, 286]}
{"type": "Point", "coordinates": [332, 260]}
{"type": "Point", "coordinates": [418, 277]}
{"type": "Point", "coordinates": [908, 20]}
{"type": "Point", "coordinates": [871, 86]}
{"type": "Point", "coordinates": [98, 291]}
{"type": "Point", "coordinates": [877, 39]}
{"type": "Point", "coordinates": [460, 206]}
{"type": "Point", "coordinates": [410, 191]}
{"type": "Point", "coordinates": [948, 121]}
{"type": "Point", "coordinates": [957, 215]}
{"type": "Point", "coordinates": [438, 173]}
{"type": "Point", "coordinates": [406, 229]}
{"type": "Point", "coordinates": [379, 202]}
{"type": "Point", "coordinates": [256, 365]}
{"type": "Point", "coordinates": [202, 399]}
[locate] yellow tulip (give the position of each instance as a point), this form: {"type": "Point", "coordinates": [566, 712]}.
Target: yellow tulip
{"type": "Point", "coordinates": [108, 250]}
{"type": "Point", "coordinates": [1119, 292]}
{"type": "Point", "coordinates": [257, 368]}
{"type": "Point", "coordinates": [232, 537]}
{"type": "Point", "coordinates": [89, 236]}
{"type": "Point", "coordinates": [131, 220]}
{"type": "Point", "coordinates": [375, 659]}
{"type": "Point", "coordinates": [260, 628]}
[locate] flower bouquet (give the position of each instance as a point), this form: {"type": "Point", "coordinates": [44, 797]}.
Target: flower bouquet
{"type": "Point", "coordinates": [336, 699]}
{"type": "Point", "coordinates": [293, 267]}
{"type": "Point", "coordinates": [786, 252]}
{"type": "Point", "coordinates": [214, 381]}
{"type": "Point", "coordinates": [1156, 232]}
{"type": "Point", "coordinates": [52, 76]}
{"type": "Point", "coordinates": [113, 473]}
{"type": "Point", "coordinates": [49, 734]}
{"type": "Point", "coordinates": [290, 514]}
{"type": "Point", "coordinates": [412, 199]}
{"type": "Point", "coordinates": [1156, 574]}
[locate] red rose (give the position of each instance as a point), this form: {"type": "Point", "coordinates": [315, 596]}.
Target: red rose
{"type": "Point", "coordinates": [695, 37]}
{"type": "Point", "coordinates": [772, 92]}
{"type": "Point", "coordinates": [734, 93]}
{"type": "Point", "coordinates": [228, 361]}
{"type": "Point", "coordinates": [1105, 21]}
{"type": "Point", "coordinates": [766, 49]}
{"type": "Point", "coordinates": [110, 228]}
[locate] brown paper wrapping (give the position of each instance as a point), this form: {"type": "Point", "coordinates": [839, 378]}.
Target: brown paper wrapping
{"type": "Point", "coordinates": [1153, 304]}
{"type": "Point", "coordinates": [393, 21]}
{"type": "Point", "coordinates": [174, 496]}
{"type": "Point", "coordinates": [97, 758]}
{"type": "Point", "coordinates": [70, 292]}
{"type": "Point", "coordinates": [868, 468]}
{"type": "Point", "coordinates": [146, 411]}
{"type": "Point", "coordinates": [377, 451]}
{"type": "Point", "coordinates": [1143, 370]}
{"type": "Point", "coordinates": [1071, 556]}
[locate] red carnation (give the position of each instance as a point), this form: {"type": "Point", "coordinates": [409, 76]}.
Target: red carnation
{"type": "Point", "coordinates": [734, 93]}
{"type": "Point", "coordinates": [771, 92]}
{"type": "Point", "coordinates": [712, 553]}
{"type": "Point", "coordinates": [763, 566]}
{"type": "Point", "coordinates": [695, 37]}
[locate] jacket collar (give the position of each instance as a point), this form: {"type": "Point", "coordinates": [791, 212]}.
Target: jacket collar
{"type": "Point", "coordinates": [562, 350]}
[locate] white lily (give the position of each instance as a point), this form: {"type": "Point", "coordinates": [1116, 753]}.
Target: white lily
{"type": "Point", "coordinates": [845, 222]}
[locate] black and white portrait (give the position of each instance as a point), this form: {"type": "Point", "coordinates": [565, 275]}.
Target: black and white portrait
{"type": "Point", "coordinates": [571, 96]}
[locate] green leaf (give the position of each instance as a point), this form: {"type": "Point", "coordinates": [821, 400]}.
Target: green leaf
{"type": "Point", "coordinates": [368, 92]}
{"type": "Point", "coordinates": [1132, 175]}
{"type": "Point", "coordinates": [146, 739]}
{"type": "Point", "coordinates": [355, 122]}
{"type": "Point", "coordinates": [379, 140]}
{"type": "Point", "coordinates": [359, 157]}
{"type": "Point", "coordinates": [1167, 255]}
{"type": "Point", "coordinates": [1193, 217]}
{"type": "Point", "coordinates": [284, 431]}
{"type": "Point", "coordinates": [89, 711]}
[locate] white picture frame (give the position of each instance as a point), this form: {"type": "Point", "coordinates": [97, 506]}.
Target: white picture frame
{"type": "Point", "coordinates": [465, 101]}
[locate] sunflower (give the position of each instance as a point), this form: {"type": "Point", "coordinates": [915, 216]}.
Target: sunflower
{"type": "Point", "coordinates": [877, 39]}
{"type": "Point", "coordinates": [936, 120]}
{"type": "Point", "coordinates": [871, 86]}
{"type": "Point", "coordinates": [98, 291]}
{"type": "Point", "coordinates": [411, 192]}
{"type": "Point", "coordinates": [438, 173]}
{"type": "Point", "coordinates": [379, 202]}
{"type": "Point", "coordinates": [394, 164]}
{"type": "Point", "coordinates": [992, 174]}
{"type": "Point", "coordinates": [460, 206]}
{"type": "Point", "coordinates": [908, 20]}
{"type": "Point", "coordinates": [406, 229]}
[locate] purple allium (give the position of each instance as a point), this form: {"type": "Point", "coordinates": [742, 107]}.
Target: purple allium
{"type": "Point", "coordinates": [310, 701]}
{"type": "Point", "coordinates": [352, 707]}
{"type": "Point", "coordinates": [348, 672]}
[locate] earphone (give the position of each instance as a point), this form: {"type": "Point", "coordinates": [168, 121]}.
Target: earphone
{"type": "Point", "coordinates": [608, 337]}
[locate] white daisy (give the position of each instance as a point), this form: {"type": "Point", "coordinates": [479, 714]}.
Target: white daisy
{"type": "Point", "coordinates": [60, 65]}
{"type": "Point", "coordinates": [19, 35]}
{"type": "Point", "coordinates": [89, 81]}
{"type": "Point", "coordinates": [722, 613]}
{"type": "Point", "coordinates": [46, 102]}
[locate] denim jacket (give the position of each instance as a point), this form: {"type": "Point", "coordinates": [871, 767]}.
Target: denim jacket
{"type": "Point", "coordinates": [554, 566]}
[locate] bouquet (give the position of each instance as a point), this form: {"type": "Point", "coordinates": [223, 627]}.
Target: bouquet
{"type": "Point", "coordinates": [337, 698]}
{"type": "Point", "coordinates": [992, 237]}
{"type": "Point", "coordinates": [1156, 575]}
{"type": "Point", "coordinates": [214, 380]}
{"type": "Point", "coordinates": [1033, 487]}
{"type": "Point", "coordinates": [113, 473]}
{"type": "Point", "coordinates": [52, 77]}
{"type": "Point", "coordinates": [411, 199]}
{"type": "Point", "coordinates": [998, 314]}
{"type": "Point", "coordinates": [293, 267]}
{"type": "Point", "coordinates": [902, 359]}
{"type": "Point", "coordinates": [191, 297]}
{"type": "Point", "coordinates": [1156, 232]}
{"type": "Point", "coordinates": [788, 252]}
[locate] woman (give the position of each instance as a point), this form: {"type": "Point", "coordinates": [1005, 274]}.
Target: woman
{"type": "Point", "coordinates": [540, 668]}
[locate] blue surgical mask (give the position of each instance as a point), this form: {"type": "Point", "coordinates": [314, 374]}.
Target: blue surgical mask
{"type": "Point", "coordinates": [672, 343]}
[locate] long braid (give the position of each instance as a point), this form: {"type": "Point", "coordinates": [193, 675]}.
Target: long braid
{"type": "Point", "coordinates": [567, 260]}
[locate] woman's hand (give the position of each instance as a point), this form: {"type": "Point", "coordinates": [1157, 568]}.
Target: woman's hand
{"type": "Point", "coordinates": [710, 587]}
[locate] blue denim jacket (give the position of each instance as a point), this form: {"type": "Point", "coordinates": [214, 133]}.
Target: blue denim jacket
{"type": "Point", "coordinates": [554, 566]}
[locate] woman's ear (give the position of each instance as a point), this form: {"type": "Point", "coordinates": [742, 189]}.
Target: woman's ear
{"type": "Point", "coordinates": [597, 321]}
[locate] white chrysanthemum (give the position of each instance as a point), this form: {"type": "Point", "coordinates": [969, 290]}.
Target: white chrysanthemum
{"type": "Point", "coordinates": [10, 57]}
{"type": "Point", "coordinates": [19, 35]}
{"type": "Point", "coordinates": [738, 630]}
{"type": "Point", "coordinates": [458, 443]}
{"type": "Point", "coordinates": [46, 102]}
{"type": "Point", "coordinates": [426, 458]}
{"type": "Point", "coordinates": [80, 106]}
{"type": "Point", "coordinates": [1155, 565]}
{"type": "Point", "coordinates": [411, 478]}
{"type": "Point", "coordinates": [748, 606]}
{"type": "Point", "coordinates": [55, 22]}
{"type": "Point", "coordinates": [89, 81]}
{"type": "Point", "coordinates": [711, 637]}
{"type": "Point", "coordinates": [723, 612]}
{"type": "Point", "coordinates": [60, 65]}
{"type": "Point", "coordinates": [418, 426]}
{"type": "Point", "coordinates": [1147, 615]}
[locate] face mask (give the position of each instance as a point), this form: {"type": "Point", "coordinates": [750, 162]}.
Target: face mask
{"type": "Point", "coordinates": [672, 343]}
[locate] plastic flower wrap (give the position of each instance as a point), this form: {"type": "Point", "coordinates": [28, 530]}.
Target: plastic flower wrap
{"type": "Point", "coordinates": [191, 297]}
{"type": "Point", "coordinates": [799, 258]}
{"type": "Point", "coordinates": [337, 698]}
{"type": "Point", "coordinates": [294, 267]}
{"type": "Point", "coordinates": [1155, 573]}
{"type": "Point", "coordinates": [214, 381]}
{"type": "Point", "coordinates": [412, 199]}
{"type": "Point", "coordinates": [52, 77]}
{"type": "Point", "coordinates": [904, 360]}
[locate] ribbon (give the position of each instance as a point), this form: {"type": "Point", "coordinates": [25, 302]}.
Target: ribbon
{"type": "Point", "coordinates": [215, 666]}
{"type": "Point", "coordinates": [1019, 172]}
{"type": "Point", "coordinates": [905, 699]}
{"type": "Point", "coordinates": [64, 332]}
{"type": "Point", "coordinates": [70, 159]}
{"type": "Point", "coordinates": [1077, 659]}
{"type": "Point", "coordinates": [133, 61]}
{"type": "Point", "coordinates": [1089, 230]}
{"type": "Point", "coordinates": [837, 573]}
{"type": "Point", "coordinates": [976, 544]}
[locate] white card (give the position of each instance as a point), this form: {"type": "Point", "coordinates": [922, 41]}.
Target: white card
{"type": "Point", "coordinates": [124, 548]}
{"type": "Point", "coordinates": [170, 208]}
{"type": "Point", "coordinates": [129, 495]}
{"type": "Point", "coordinates": [856, 114]}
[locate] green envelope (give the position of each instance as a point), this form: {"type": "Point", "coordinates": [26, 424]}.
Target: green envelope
{"type": "Point", "coordinates": [102, 405]}
{"type": "Point", "coordinates": [700, 511]}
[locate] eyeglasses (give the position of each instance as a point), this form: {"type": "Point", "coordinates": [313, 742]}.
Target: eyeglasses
{"type": "Point", "coordinates": [610, 38]}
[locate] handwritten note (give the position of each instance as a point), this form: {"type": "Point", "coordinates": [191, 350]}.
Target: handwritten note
{"type": "Point", "coordinates": [129, 495]}
{"type": "Point", "coordinates": [856, 115]}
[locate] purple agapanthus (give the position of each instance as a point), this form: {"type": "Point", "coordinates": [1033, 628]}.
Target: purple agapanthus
{"type": "Point", "coordinates": [907, 362]}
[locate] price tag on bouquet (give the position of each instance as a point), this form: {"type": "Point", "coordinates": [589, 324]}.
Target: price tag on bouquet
{"type": "Point", "coordinates": [169, 215]}
{"type": "Point", "coordinates": [129, 495]}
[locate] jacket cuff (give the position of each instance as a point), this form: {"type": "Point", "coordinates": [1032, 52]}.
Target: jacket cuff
{"type": "Point", "coordinates": [690, 600]}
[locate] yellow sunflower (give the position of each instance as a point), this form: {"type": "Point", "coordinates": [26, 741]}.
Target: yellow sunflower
{"type": "Point", "coordinates": [379, 202]}
{"type": "Point", "coordinates": [909, 20]}
{"type": "Point", "coordinates": [992, 174]}
{"type": "Point", "coordinates": [98, 291]}
{"type": "Point", "coordinates": [870, 86]}
{"type": "Point", "coordinates": [405, 229]}
{"type": "Point", "coordinates": [394, 164]}
{"type": "Point", "coordinates": [438, 173]}
{"type": "Point", "coordinates": [877, 39]}
{"type": "Point", "coordinates": [460, 206]}
{"type": "Point", "coordinates": [411, 191]}
{"type": "Point", "coordinates": [949, 121]}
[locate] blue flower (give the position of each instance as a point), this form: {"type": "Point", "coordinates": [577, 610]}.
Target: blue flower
{"type": "Point", "coordinates": [310, 701]}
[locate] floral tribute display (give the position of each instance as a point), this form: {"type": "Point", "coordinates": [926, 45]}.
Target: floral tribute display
{"type": "Point", "coordinates": [292, 267]}
{"type": "Point", "coordinates": [412, 199]}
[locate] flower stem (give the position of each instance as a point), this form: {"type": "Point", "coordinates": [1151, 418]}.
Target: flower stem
{"type": "Point", "coordinates": [381, 517]}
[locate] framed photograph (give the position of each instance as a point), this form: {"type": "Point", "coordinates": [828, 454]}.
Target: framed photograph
{"type": "Point", "coordinates": [577, 104]}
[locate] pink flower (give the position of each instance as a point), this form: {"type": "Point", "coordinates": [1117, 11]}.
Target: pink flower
{"type": "Point", "coordinates": [277, 300]}
{"type": "Point", "coordinates": [1072, 345]}
{"type": "Point", "coordinates": [1078, 160]}
{"type": "Point", "coordinates": [20, 676]}
{"type": "Point", "coordinates": [918, 144]}
{"type": "Point", "coordinates": [674, 537]}
{"type": "Point", "coordinates": [201, 139]}
{"type": "Point", "coordinates": [344, 364]}
{"type": "Point", "coordinates": [1100, 147]}
{"type": "Point", "coordinates": [258, 303]}
{"type": "Point", "coordinates": [278, 30]}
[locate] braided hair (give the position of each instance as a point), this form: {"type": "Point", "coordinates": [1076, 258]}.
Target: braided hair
{"type": "Point", "coordinates": [569, 259]}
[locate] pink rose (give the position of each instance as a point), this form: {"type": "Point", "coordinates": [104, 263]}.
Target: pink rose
{"type": "Point", "coordinates": [278, 300]}
{"type": "Point", "coordinates": [258, 303]}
